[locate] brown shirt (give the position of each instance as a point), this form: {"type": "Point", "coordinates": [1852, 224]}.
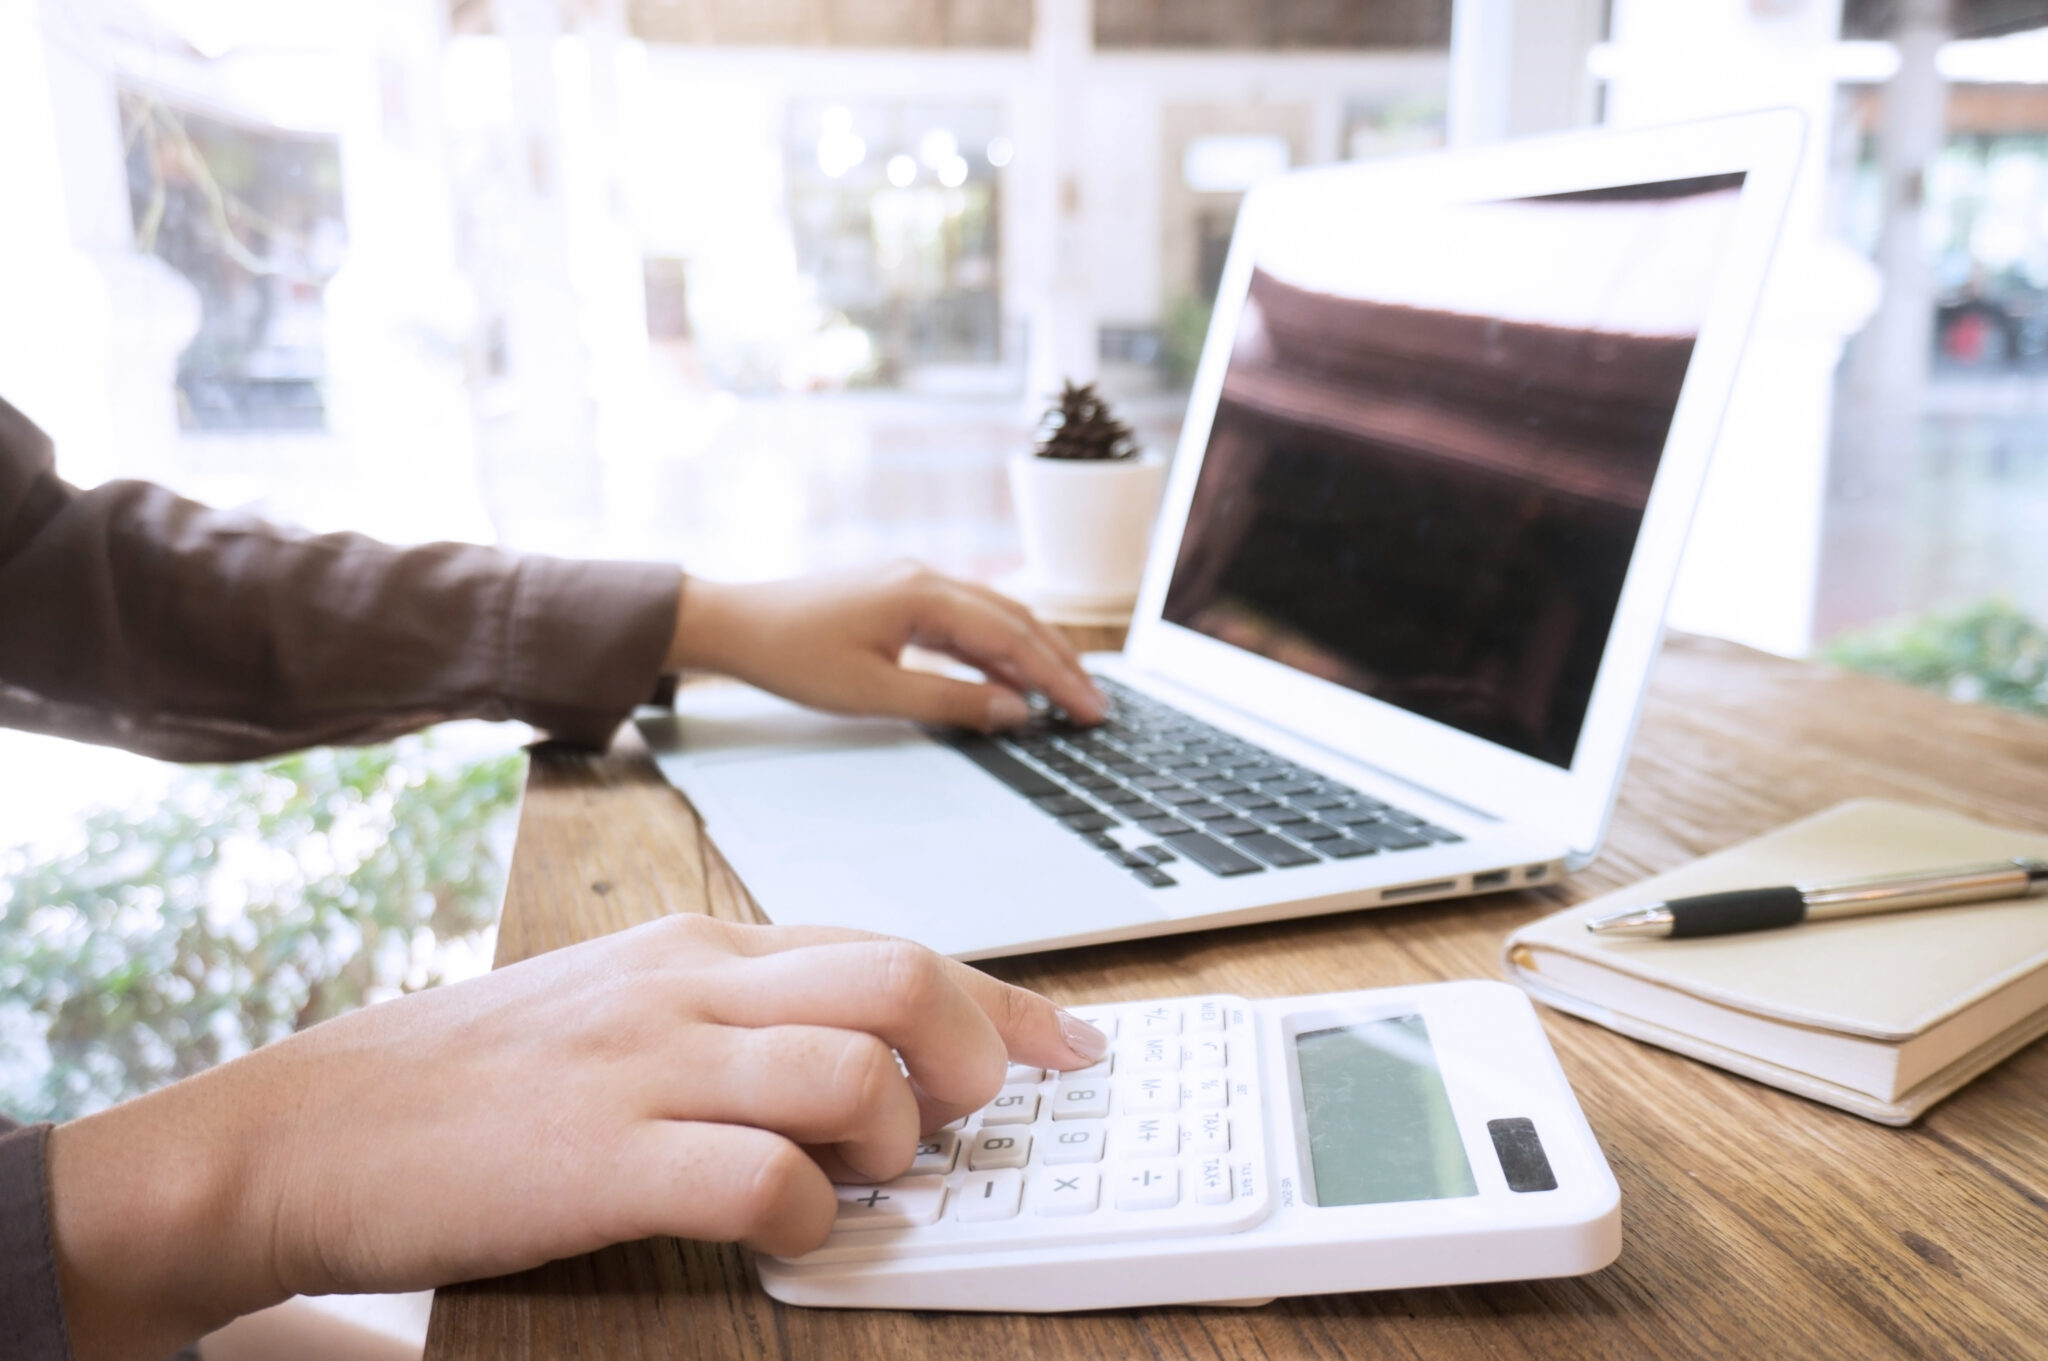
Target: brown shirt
{"type": "Point", "coordinates": [134, 618]}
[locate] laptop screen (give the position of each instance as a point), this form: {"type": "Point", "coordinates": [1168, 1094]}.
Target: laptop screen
{"type": "Point", "coordinates": [1434, 442]}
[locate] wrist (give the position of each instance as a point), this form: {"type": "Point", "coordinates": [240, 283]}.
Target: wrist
{"type": "Point", "coordinates": [705, 627]}
{"type": "Point", "coordinates": [150, 1208]}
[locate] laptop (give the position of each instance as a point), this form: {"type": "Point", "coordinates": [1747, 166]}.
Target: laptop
{"type": "Point", "coordinates": [1442, 450]}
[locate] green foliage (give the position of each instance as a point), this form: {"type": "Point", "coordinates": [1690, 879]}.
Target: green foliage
{"type": "Point", "coordinates": [253, 901]}
{"type": "Point", "coordinates": [1182, 336]}
{"type": "Point", "coordinates": [1990, 653]}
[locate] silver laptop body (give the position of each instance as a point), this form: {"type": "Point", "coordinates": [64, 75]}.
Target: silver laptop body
{"type": "Point", "coordinates": [1440, 457]}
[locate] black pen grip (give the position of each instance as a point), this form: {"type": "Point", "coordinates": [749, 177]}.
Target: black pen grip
{"type": "Point", "coordinates": [1749, 909]}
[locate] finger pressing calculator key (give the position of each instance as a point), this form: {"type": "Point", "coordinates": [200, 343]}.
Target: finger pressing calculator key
{"type": "Point", "coordinates": [1231, 1150]}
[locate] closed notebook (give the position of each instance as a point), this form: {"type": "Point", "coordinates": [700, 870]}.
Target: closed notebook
{"type": "Point", "coordinates": [1881, 1015]}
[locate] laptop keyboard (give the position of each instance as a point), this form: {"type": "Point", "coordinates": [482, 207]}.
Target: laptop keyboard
{"type": "Point", "coordinates": [1153, 787]}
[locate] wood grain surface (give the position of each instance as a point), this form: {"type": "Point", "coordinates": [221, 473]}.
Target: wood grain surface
{"type": "Point", "coordinates": [1756, 1224]}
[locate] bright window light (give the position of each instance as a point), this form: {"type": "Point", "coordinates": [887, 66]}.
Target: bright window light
{"type": "Point", "coordinates": [1000, 151]}
{"type": "Point", "coordinates": [1232, 164]}
{"type": "Point", "coordinates": [902, 170]}
{"type": "Point", "coordinates": [937, 147]}
{"type": "Point", "coordinates": [953, 173]}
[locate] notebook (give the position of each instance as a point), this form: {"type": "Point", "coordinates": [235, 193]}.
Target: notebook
{"type": "Point", "coordinates": [1882, 1015]}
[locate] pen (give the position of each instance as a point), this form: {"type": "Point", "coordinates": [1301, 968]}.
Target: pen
{"type": "Point", "coordinates": [1759, 909]}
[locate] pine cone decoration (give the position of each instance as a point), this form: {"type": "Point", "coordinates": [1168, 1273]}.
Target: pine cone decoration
{"type": "Point", "coordinates": [1082, 427]}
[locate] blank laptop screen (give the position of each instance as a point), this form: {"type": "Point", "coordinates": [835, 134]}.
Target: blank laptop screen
{"type": "Point", "coordinates": [1434, 442]}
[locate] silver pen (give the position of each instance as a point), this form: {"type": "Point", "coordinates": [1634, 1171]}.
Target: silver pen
{"type": "Point", "coordinates": [1760, 909]}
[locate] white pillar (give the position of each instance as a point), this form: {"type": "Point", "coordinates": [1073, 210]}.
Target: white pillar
{"type": "Point", "coordinates": [1052, 261]}
{"type": "Point", "coordinates": [92, 328]}
{"type": "Point", "coordinates": [536, 423]}
{"type": "Point", "coordinates": [1518, 67]}
{"type": "Point", "coordinates": [400, 311]}
{"type": "Point", "coordinates": [1749, 568]}
{"type": "Point", "coordinates": [1887, 381]}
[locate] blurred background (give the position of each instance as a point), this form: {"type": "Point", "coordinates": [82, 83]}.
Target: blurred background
{"type": "Point", "coordinates": [763, 286]}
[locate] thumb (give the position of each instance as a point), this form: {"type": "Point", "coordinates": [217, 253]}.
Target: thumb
{"type": "Point", "coordinates": [928, 698]}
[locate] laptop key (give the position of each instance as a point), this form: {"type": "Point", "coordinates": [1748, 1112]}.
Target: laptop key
{"type": "Point", "coordinates": [1389, 838]}
{"type": "Point", "coordinates": [1316, 803]}
{"type": "Point", "coordinates": [1312, 831]}
{"type": "Point", "coordinates": [1157, 782]}
{"type": "Point", "coordinates": [1346, 849]}
{"type": "Point", "coordinates": [1005, 767]}
{"type": "Point", "coordinates": [1235, 827]}
{"type": "Point", "coordinates": [1158, 855]}
{"type": "Point", "coordinates": [1164, 827]}
{"type": "Point", "coordinates": [1179, 794]}
{"type": "Point", "coordinates": [1276, 851]}
{"type": "Point", "coordinates": [1089, 822]}
{"type": "Point", "coordinates": [1208, 812]}
{"type": "Point", "coordinates": [1153, 875]}
{"type": "Point", "coordinates": [1249, 802]}
{"type": "Point", "coordinates": [1063, 804]}
{"type": "Point", "coordinates": [1212, 856]}
{"type": "Point", "coordinates": [1116, 795]}
{"type": "Point", "coordinates": [1441, 835]}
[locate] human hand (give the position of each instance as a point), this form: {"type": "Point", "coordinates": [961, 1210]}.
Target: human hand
{"type": "Point", "coordinates": [664, 1080]}
{"type": "Point", "coordinates": [836, 642]}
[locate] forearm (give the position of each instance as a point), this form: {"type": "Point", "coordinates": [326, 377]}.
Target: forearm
{"type": "Point", "coordinates": [157, 1221]}
{"type": "Point", "coordinates": [133, 617]}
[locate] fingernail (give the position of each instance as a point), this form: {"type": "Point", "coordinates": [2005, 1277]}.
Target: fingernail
{"type": "Point", "coordinates": [1006, 710]}
{"type": "Point", "coordinates": [1082, 1038]}
{"type": "Point", "coordinates": [1101, 700]}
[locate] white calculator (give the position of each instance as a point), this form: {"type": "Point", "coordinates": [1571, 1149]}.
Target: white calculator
{"type": "Point", "coordinates": [1230, 1151]}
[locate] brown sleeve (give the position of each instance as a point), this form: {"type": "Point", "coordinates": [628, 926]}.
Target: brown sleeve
{"type": "Point", "coordinates": [134, 618]}
{"type": "Point", "coordinates": [31, 1306]}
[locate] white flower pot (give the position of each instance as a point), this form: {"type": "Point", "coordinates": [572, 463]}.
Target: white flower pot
{"type": "Point", "coordinates": [1087, 525]}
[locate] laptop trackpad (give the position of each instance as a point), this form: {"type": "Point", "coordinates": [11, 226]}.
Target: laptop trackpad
{"type": "Point", "coordinates": [822, 795]}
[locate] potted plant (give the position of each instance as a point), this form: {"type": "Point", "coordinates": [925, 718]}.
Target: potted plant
{"type": "Point", "coordinates": [1086, 499]}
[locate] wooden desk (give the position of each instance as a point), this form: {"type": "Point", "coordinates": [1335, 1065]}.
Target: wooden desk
{"type": "Point", "coordinates": [1756, 1224]}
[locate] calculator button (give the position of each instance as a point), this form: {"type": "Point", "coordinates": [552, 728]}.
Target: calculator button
{"type": "Point", "coordinates": [1102, 1021]}
{"type": "Point", "coordinates": [989, 1195]}
{"type": "Point", "coordinates": [1075, 1143]}
{"type": "Point", "coordinates": [1158, 1020]}
{"type": "Point", "coordinates": [1157, 1094]}
{"type": "Point", "coordinates": [1024, 1073]}
{"type": "Point", "coordinates": [1012, 1106]}
{"type": "Point", "coordinates": [1147, 1136]}
{"type": "Point", "coordinates": [935, 1154]}
{"type": "Point", "coordinates": [1066, 1193]}
{"type": "Point", "coordinates": [1208, 1132]}
{"type": "Point", "coordinates": [999, 1147]}
{"type": "Point", "coordinates": [1102, 1067]}
{"type": "Point", "coordinates": [1204, 1054]}
{"type": "Point", "coordinates": [1212, 1181]}
{"type": "Point", "coordinates": [900, 1204]}
{"type": "Point", "coordinates": [1207, 1018]}
{"type": "Point", "coordinates": [1153, 1054]}
{"type": "Point", "coordinates": [1084, 1100]}
{"type": "Point", "coordinates": [1209, 1093]}
{"type": "Point", "coordinates": [1148, 1188]}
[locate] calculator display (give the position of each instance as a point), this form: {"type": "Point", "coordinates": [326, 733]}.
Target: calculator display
{"type": "Point", "coordinates": [1380, 1127]}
